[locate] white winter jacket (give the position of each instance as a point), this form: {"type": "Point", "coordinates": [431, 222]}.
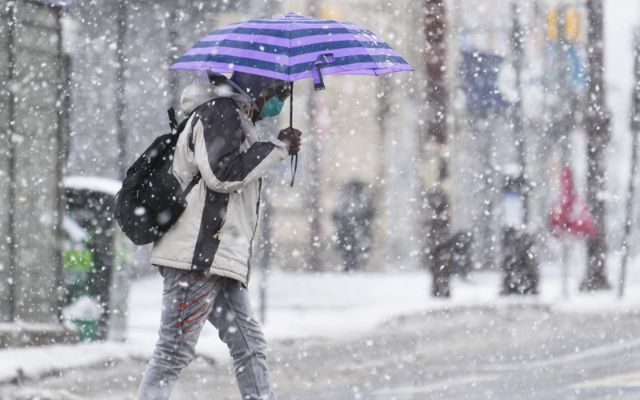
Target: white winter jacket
{"type": "Point", "coordinates": [216, 230]}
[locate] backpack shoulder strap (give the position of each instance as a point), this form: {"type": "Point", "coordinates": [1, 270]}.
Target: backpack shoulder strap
{"type": "Point", "coordinates": [176, 127]}
{"type": "Point", "coordinates": [184, 123]}
{"type": "Point", "coordinates": [173, 122]}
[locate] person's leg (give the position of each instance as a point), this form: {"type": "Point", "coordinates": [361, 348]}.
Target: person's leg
{"type": "Point", "coordinates": [187, 300]}
{"type": "Point", "coordinates": [240, 330]}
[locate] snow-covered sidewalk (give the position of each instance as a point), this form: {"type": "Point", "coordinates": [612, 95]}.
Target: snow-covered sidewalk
{"type": "Point", "coordinates": [314, 305]}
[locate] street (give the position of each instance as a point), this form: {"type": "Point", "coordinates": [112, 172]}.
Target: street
{"type": "Point", "coordinates": [506, 353]}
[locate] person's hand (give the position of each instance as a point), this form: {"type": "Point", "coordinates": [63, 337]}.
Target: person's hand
{"type": "Point", "coordinates": [291, 137]}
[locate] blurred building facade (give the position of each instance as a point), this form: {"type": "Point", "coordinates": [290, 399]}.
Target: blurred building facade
{"type": "Point", "coordinates": [361, 128]}
{"type": "Point", "coordinates": [33, 86]}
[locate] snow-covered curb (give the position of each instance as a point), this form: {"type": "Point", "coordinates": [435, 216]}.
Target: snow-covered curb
{"type": "Point", "coordinates": [33, 362]}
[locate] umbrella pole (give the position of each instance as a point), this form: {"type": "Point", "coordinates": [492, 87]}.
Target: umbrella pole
{"type": "Point", "coordinates": [291, 107]}
{"type": "Point", "coordinates": [294, 158]}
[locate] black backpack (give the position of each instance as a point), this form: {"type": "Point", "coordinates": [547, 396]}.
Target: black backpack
{"type": "Point", "coordinates": [151, 199]}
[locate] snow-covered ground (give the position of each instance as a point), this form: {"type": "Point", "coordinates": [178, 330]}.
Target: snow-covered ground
{"type": "Point", "coordinates": [319, 305]}
{"type": "Point", "coordinates": [334, 304]}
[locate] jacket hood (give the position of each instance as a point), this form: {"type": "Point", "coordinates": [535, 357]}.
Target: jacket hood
{"type": "Point", "coordinates": [206, 87]}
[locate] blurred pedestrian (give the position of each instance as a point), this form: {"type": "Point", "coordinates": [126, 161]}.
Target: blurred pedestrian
{"type": "Point", "coordinates": [204, 257]}
{"type": "Point", "coordinates": [437, 250]}
{"type": "Point", "coordinates": [353, 217]}
{"type": "Point", "coordinates": [461, 260]}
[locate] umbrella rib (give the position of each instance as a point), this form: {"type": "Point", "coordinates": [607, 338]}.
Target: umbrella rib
{"type": "Point", "coordinates": [353, 29]}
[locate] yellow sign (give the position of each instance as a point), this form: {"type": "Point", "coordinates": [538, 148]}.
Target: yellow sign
{"type": "Point", "coordinates": [572, 24]}
{"type": "Point", "coordinates": [552, 25]}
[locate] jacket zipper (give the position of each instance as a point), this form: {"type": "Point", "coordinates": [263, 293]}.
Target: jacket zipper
{"type": "Point", "coordinates": [255, 228]}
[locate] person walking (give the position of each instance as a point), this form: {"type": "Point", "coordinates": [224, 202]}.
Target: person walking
{"type": "Point", "coordinates": [204, 257]}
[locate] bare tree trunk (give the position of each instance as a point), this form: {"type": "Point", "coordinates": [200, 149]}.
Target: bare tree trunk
{"type": "Point", "coordinates": [121, 33]}
{"type": "Point", "coordinates": [438, 231]}
{"type": "Point", "coordinates": [172, 54]}
{"type": "Point", "coordinates": [635, 130]}
{"type": "Point", "coordinates": [313, 151]}
{"type": "Point", "coordinates": [436, 61]}
{"type": "Point", "coordinates": [517, 47]}
{"type": "Point", "coordinates": [13, 281]}
{"type": "Point", "coordinates": [598, 121]}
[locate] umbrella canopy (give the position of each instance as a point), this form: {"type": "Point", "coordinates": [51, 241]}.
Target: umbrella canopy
{"type": "Point", "coordinates": [291, 48]}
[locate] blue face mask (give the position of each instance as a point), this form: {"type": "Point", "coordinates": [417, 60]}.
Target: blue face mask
{"type": "Point", "coordinates": [271, 108]}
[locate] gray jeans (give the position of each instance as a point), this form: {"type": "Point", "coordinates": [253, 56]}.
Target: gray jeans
{"type": "Point", "coordinates": [189, 299]}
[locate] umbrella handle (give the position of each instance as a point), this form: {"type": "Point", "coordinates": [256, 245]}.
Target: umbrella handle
{"type": "Point", "coordinates": [294, 168]}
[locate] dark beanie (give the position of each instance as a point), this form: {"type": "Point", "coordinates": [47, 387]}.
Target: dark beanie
{"type": "Point", "coordinates": [251, 84]}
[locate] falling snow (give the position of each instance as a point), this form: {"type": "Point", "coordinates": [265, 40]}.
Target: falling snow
{"type": "Point", "coordinates": [462, 223]}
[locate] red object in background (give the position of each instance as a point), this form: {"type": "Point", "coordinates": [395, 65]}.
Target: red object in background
{"type": "Point", "coordinates": [570, 216]}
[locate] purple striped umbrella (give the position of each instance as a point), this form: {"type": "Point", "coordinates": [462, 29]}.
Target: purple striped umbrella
{"type": "Point", "coordinates": [291, 48]}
